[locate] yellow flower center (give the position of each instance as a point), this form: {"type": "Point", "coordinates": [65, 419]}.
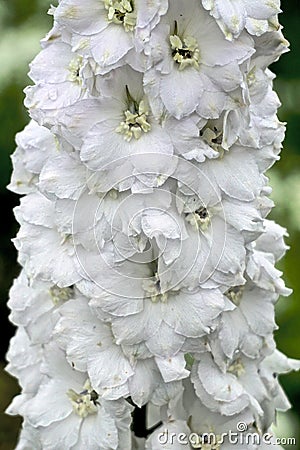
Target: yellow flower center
{"type": "Point", "coordinates": [237, 368]}
{"type": "Point", "coordinates": [185, 51]}
{"type": "Point", "coordinates": [121, 12]}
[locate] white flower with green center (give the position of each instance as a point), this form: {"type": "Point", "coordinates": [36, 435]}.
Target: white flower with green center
{"type": "Point", "coordinates": [239, 123]}
{"type": "Point", "coordinates": [59, 86]}
{"type": "Point", "coordinates": [219, 226]}
{"type": "Point", "coordinates": [163, 319]}
{"type": "Point", "coordinates": [122, 130]}
{"type": "Point", "coordinates": [153, 290]}
{"type": "Point", "coordinates": [235, 294]}
{"type": "Point", "coordinates": [66, 401]}
{"type": "Point", "coordinates": [271, 368]}
{"type": "Point", "coordinates": [24, 361]}
{"type": "Point", "coordinates": [109, 31]}
{"type": "Point", "coordinates": [114, 371]}
{"type": "Point", "coordinates": [75, 67]}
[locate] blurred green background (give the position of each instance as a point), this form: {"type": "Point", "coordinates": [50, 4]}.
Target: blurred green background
{"type": "Point", "coordinates": [23, 23]}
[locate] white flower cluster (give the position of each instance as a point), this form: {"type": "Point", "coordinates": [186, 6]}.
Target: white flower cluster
{"type": "Point", "coordinates": [147, 260]}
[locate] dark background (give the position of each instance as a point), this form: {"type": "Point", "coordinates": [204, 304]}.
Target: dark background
{"type": "Point", "coordinates": [22, 24]}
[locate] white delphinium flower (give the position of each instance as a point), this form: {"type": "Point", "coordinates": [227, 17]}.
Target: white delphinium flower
{"type": "Point", "coordinates": [233, 16]}
{"type": "Point", "coordinates": [191, 67]}
{"type": "Point", "coordinates": [264, 253]}
{"type": "Point", "coordinates": [248, 326]}
{"type": "Point", "coordinates": [24, 359]}
{"type": "Point", "coordinates": [63, 166]}
{"type": "Point", "coordinates": [246, 185]}
{"type": "Point", "coordinates": [271, 367]}
{"type": "Point", "coordinates": [261, 270]}
{"type": "Point", "coordinates": [211, 214]}
{"type": "Point", "coordinates": [254, 301]}
{"type": "Point", "coordinates": [125, 124]}
{"type": "Point", "coordinates": [90, 347]}
{"type": "Point", "coordinates": [162, 320]}
{"type": "Point", "coordinates": [255, 123]}
{"type": "Point", "coordinates": [147, 220]}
